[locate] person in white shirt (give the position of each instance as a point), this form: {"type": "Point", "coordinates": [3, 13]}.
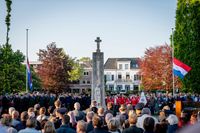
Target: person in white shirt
{"type": "Point", "coordinates": [41, 115]}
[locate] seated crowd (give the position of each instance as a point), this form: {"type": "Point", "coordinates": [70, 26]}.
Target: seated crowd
{"type": "Point", "coordinates": [59, 119]}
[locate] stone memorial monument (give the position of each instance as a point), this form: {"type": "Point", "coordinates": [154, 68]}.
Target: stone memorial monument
{"type": "Point", "coordinates": [98, 91]}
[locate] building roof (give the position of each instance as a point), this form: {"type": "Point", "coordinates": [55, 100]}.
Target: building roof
{"type": "Point", "coordinates": [111, 63]}
{"type": "Point", "coordinates": [86, 64]}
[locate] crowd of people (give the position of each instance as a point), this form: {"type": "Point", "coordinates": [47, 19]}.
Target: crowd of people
{"type": "Point", "coordinates": [70, 113]}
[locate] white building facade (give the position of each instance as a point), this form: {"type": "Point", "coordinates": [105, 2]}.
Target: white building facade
{"type": "Point", "coordinates": [122, 74]}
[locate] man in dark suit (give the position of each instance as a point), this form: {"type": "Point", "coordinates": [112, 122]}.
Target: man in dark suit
{"type": "Point", "coordinates": [89, 117]}
{"type": "Point", "coordinates": [98, 125]}
{"type": "Point", "coordinates": [79, 115]}
{"type": "Point", "coordinates": [109, 109]}
{"type": "Point", "coordinates": [64, 128]}
{"type": "Point", "coordinates": [132, 121]}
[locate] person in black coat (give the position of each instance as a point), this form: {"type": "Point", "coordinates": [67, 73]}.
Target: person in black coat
{"type": "Point", "coordinates": [98, 125]}
{"type": "Point", "coordinates": [22, 125]}
{"type": "Point", "coordinates": [65, 128]}
{"type": "Point", "coordinates": [94, 106]}
{"type": "Point", "coordinates": [89, 117]}
{"type": "Point", "coordinates": [109, 109]}
{"type": "Point", "coordinates": [148, 125]}
{"type": "Point", "coordinates": [79, 115]}
{"type": "Point", "coordinates": [132, 121]}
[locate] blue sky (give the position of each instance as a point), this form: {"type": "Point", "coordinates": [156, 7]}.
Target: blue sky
{"type": "Point", "coordinates": [126, 27]}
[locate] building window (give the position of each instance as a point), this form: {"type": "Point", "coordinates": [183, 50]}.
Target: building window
{"type": "Point", "coordinates": [137, 77]}
{"type": "Point", "coordinates": [85, 73]}
{"type": "Point", "coordinates": [136, 87]}
{"type": "Point", "coordinates": [83, 81]}
{"type": "Point", "coordinates": [119, 87]}
{"type": "Point", "coordinates": [120, 66]}
{"type": "Point", "coordinates": [127, 87]}
{"type": "Point", "coordinates": [111, 87]}
{"type": "Point", "coordinates": [126, 66]}
{"type": "Point", "coordinates": [112, 77]}
{"type": "Point", "coordinates": [119, 76]}
{"type": "Point", "coordinates": [108, 77]}
{"type": "Point", "coordinates": [88, 82]}
{"type": "Point", "coordinates": [127, 76]}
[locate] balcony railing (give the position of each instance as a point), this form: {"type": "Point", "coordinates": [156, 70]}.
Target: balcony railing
{"type": "Point", "coordinates": [123, 80]}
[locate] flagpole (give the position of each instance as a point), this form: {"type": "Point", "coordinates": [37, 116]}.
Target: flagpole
{"type": "Point", "coordinates": [26, 60]}
{"type": "Point", "coordinates": [172, 61]}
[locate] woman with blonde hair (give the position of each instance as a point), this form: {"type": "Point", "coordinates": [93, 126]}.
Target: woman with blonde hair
{"type": "Point", "coordinates": [49, 127]}
{"type": "Point", "coordinates": [81, 127]}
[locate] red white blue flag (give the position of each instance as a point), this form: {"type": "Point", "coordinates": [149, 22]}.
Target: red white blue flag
{"type": "Point", "coordinates": [179, 68]}
{"type": "Point", "coordinates": [29, 75]}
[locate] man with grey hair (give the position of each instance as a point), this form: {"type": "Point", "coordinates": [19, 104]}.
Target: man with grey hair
{"type": "Point", "coordinates": [77, 112]}
{"type": "Point", "coordinates": [10, 110]}
{"type": "Point", "coordinates": [108, 117]}
{"type": "Point", "coordinates": [146, 112]}
{"type": "Point", "coordinates": [89, 117]}
{"type": "Point", "coordinates": [15, 115]}
{"type": "Point", "coordinates": [114, 125]}
{"type": "Point", "coordinates": [173, 123]}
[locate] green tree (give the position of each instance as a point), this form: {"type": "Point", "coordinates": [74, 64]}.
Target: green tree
{"type": "Point", "coordinates": [5, 51]}
{"type": "Point", "coordinates": [12, 72]}
{"type": "Point", "coordinates": [187, 41]}
{"type": "Point", "coordinates": [7, 20]}
{"type": "Point", "coordinates": [55, 69]}
{"type": "Point", "coordinates": [76, 71]}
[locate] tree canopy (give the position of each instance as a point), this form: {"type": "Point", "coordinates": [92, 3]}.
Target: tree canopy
{"type": "Point", "coordinates": [7, 19]}
{"type": "Point", "coordinates": [57, 69]}
{"type": "Point", "coordinates": [187, 41]}
{"type": "Point", "coordinates": [12, 72]}
{"type": "Point", "coordinates": [156, 68]}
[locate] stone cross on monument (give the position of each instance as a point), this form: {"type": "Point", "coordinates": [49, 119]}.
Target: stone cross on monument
{"type": "Point", "coordinates": [98, 91]}
{"type": "Point", "coordinates": [98, 40]}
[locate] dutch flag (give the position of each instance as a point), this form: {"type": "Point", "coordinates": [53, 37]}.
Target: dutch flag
{"type": "Point", "coordinates": [179, 68]}
{"type": "Point", "coordinates": [29, 75]}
